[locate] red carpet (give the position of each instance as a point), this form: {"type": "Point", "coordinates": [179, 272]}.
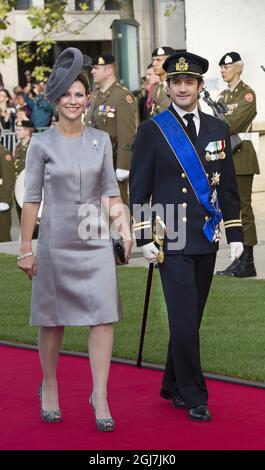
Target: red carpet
{"type": "Point", "coordinates": [143, 420]}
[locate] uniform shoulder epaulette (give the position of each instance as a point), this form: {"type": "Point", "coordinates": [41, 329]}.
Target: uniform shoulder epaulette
{"type": "Point", "coordinates": [245, 85]}
{"type": "Point", "coordinates": [122, 87]}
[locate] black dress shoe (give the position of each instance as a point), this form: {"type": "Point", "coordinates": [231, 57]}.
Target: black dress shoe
{"type": "Point", "coordinates": [177, 400]}
{"type": "Point", "coordinates": [200, 413]}
{"type": "Point", "coordinates": [229, 270]}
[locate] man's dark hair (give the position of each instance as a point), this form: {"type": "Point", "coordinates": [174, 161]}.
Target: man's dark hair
{"type": "Point", "coordinates": [199, 79]}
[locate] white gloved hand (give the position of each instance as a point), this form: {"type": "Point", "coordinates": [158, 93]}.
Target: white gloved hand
{"type": "Point", "coordinates": [150, 251]}
{"type": "Point", "coordinates": [122, 175]}
{"type": "Point", "coordinates": [236, 250]}
{"type": "Point", "coordinates": [4, 206]}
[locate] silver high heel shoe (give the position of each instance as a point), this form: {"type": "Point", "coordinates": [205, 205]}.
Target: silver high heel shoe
{"type": "Point", "coordinates": [103, 424]}
{"type": "Point", "coordinates": [49, 416]}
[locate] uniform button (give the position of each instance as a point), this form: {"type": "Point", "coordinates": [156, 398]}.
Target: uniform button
{"type": "Point", "coordinates": [207, 174]}
{"type": "Point", "coordinates": [184, 219]}
{"type": "Point", "coordinates": [184, 190]}
{"type": "Point", "coordinates": [206, 217]}
{"type": "Point", "coordinates": [183, 176]}
{"type": "Point", "coordinates": [184, 205]}
{"type": "Point", "coordinates": [89, 122]}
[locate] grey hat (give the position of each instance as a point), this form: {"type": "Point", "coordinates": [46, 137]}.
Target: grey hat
{"type": "Point", "coordinates": [66, 69]}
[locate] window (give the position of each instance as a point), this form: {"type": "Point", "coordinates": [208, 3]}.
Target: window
{"type": "Point", "coordinates": [111, 5]}
{"type": "Point", "coordinates": [22, 4]}
{"type": "Point", "coordinates": [88, 3]}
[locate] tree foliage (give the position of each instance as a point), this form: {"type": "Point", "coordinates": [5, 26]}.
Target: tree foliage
{"type": "Point", "coordinates": [47, 22]}
{"type": "Point", "coordinates": [171, 8]}
{"type": "Point", "coordinates": [6, 7]}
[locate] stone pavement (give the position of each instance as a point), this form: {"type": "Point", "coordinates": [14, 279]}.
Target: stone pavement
{"type": "Point", "coordinates": [137, 260]}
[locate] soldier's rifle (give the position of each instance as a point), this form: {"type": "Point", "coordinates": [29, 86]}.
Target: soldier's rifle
{"type": "Point", "coordinates": [219, 111]}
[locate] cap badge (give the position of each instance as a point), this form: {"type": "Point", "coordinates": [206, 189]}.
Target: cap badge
{"type": "Point", "coordinates": [101, 61]}
{"type": "Point", "coordinates": [182, 65]}
{"type": "Point", "coordinates": [160, 51]}
{"type": "Point", "coordinates": [228, 59]}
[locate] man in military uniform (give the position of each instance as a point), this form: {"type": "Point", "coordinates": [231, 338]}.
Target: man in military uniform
{"type": "Point", "coordinates": [161, 99]}
{"type": "Point", "coordinates": [182, 175]}
{"type": "Point", "coordinates": [113, 110]}
{"type": "Point", "coordinates": [24, 130]}
{"type": "Point", "coordinates": [240, 100]}
{"type": "Point", "coordinates": [7, 181]}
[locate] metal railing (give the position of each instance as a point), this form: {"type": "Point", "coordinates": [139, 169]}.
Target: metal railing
{"type": "Point", "coordinates": [8, 139]}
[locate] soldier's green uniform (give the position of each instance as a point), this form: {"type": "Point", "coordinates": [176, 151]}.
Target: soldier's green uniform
{"type": "Point", "coordinates": [7, 182]}
{"type": "Point", "coordinates": [20, 157]}
{"type": "Point", "coordinates": [19, 164]}
{"type": "Point", "coordinates": [241, 103]}
{"type": "Point", "coordinates": [114, 111]}
{"type": "Point", "coordinates": [161, 100]}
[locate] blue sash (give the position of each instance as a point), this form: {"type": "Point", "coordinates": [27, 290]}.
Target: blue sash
{"type": "Point", "coordinates": [189, 160]}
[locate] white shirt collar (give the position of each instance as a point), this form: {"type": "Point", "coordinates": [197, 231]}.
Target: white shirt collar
{"type": "Point", "coordinates": [181, 111]}
{"type": "Point", "coordinates": [196, 117]}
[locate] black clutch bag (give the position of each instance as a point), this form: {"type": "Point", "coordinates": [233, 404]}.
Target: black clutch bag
{"type": "Point", "coordinates": [119, 253]}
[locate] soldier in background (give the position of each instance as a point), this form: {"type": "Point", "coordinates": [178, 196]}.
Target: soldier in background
{"type": "Point", "coordinates": [160, 96]}
{"type": "Point", "coordinates": [240, 100]}
{"type": "Point", "coordinates": [24, 131]}
{"type": "Point", "coordinates": [113, 110]}
{"type": "Point", "coordinates": [7, 182]}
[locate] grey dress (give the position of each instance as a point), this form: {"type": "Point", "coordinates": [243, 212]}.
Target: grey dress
{"type": "Point", "coordinates": [76, 282]}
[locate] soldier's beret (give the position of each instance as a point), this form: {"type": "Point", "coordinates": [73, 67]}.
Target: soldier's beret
{"type": "Point", "coordinates": [230, 58]}
{"type": "Point", "coordinates": [104, 59]}
{"type": "Point", "coordinates": [185, 63]}
{"type": "Point", "coordinates": [26, 123]}
{"type": "Point", "coordinates": [66, 69]}
{"type": "Point", "coordinates": [162, 51]}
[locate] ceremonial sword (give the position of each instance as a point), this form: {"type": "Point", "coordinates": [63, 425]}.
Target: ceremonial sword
{"type": "Point", "coordinates": [159, 240]}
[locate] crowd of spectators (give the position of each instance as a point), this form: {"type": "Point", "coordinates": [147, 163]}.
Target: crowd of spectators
{"type": "Point", "coordinates": [26, 102]}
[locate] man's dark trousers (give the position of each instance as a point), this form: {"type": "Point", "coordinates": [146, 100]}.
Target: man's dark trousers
{"type": "Point", "coordinates": [186, 281]}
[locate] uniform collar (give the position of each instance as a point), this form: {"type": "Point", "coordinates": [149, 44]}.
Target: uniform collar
{"type": "Point", "coordinates": [235, 87]}
{"type": "Point", "coordinates": [108, 90]}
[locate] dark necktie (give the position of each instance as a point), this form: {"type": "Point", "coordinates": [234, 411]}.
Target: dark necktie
{"type": "Point", "coordinates": [191, 127]}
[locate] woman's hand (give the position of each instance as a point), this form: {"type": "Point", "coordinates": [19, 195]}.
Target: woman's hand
{"type": "Point", "coordinates": [127, 249]}
{"type": "Point", "coordinates": [28, 265]}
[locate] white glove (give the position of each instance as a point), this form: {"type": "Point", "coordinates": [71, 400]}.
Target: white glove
{"type": "Point", "coordinates": [122, 175]}
{"type": "Point", "coordinates": [236, 250]}
{"type": "Point", "coordinates": [150, 251]}
{"type": "Point", "coordinates": [4, 206]}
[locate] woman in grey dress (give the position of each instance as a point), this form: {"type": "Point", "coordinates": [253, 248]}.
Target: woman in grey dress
{"type": "Point", "coordinates": [73, 273]}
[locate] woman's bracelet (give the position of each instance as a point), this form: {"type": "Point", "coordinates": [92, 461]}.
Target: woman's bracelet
{"type": "Point", "coordinates": [20, 257]}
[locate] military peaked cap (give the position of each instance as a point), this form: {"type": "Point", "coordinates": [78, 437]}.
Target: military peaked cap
{"type": "Point", "coordinates": [185, 63]}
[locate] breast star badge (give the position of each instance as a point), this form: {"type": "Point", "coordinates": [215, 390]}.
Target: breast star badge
{"type": "Point", "coordinates": [215, 179]}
